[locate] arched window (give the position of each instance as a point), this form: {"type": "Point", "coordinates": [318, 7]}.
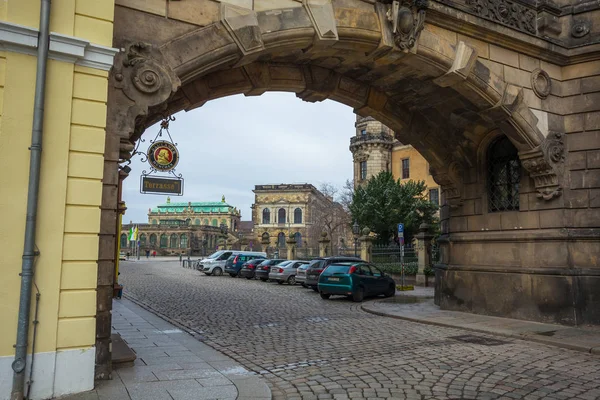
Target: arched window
{"type": "Point", "coordinates": [197, 222]}
{"type": "Point", "coordinates": [504, 176]}
{"type": "Point", "coordinates": [224, 222]}
{"type": "Point", "coordinates": [298, 237]}
{"type": "Point", "coordinates": [206, 222]}
{"type": "Point", "coordinates": [143, 240]}
{"type": "Point", "coordinates": [297, 216]}
{"type": "Point", "coordinates": [123, 241]}
{"type": "Point", "coordinates": [281, 240]}
{"type": "Point", "coordinates": [153, 240]}
{"type": "Point", "coordinates": [164, 241]}
{"type": "Point", "coordinates": [281, 216]}
{"type": "Point", "coordinates": [154, 222]}
{"type": "Point", "coordinates": [266, 216]}
{"type": "Point", "coordinates": [174, 241]}
{"type": "Point", "coordinates": [215, 222]}
{"type": "Point", "coordinates": [184, 241]}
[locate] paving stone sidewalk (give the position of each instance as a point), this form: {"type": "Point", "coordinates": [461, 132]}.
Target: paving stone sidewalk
{"type": "Point", "coordinates": [418, 306]}
{"type": "Point", "coordinates": [171, 365]}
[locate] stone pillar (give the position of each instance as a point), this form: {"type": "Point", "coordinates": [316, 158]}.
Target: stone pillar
{"type": "Point", "coordinates": [324, 245]}
{"type": "Point", "coordinates": [424, 248]}
{"type": "Point", "coordinates": [290, 243]}
{"type": "Point", "coordinates": [366, 246]}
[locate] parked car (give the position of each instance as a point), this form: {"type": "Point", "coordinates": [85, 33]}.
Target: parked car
{"type": "Point", "coordinates": [301, 274]}
{"type": "Point", "coordinates": [317, 266]}
{"type": "Point", "coordinates": [356, 280]}
{"type": "Point", "coordinates": [286, 271]}
{"type": "Point", "coordinates": [233, 265]}
{"type": "Point", "coordinates": [263, 269]}
{"type": "Point", "coordinates": [248, 270]}
{"type": "Point", "coordinates": [122, 256]}
{"type": "Point", "coordinates": [215, 263]}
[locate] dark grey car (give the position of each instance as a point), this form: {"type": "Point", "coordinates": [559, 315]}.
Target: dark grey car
{"type": "Point", "coordinates": [317, 266]}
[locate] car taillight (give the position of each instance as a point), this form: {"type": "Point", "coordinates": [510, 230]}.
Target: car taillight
{"type": "Point", "coordinates": [250, 266]}
{"type": "Point", "coordinates": [318, 271]}
{"type": "Point", "coordinates": [266, 268]}
{"type": "Point", "coordinates": [281, 270]}
{"type": "Point", "coordinates": [352, 270]}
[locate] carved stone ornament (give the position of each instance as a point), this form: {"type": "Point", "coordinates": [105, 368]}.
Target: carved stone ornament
{"type": "Point", "coordinates": [450, 184]}
{"type": "Point", "coordinates": [544, 164]}
{"type": "Point", "coordinates": [506, 12]}
{"type": "Point", "coordinates": [407, 18]}
{"type": "Point", "coordinates": [580, 29]}
{"type": "Point", "coordinates": [541, 83]}
{"type": "Point", "coordinates": [145, 81]}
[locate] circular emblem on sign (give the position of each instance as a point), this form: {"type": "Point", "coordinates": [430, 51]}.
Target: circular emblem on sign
{"type": "Point", "coordinates": [163, 156]}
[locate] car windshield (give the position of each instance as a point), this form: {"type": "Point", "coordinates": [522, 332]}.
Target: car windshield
{"type": "Point", "coordinates": [215, 255]}
{"type": "Point", "coordinates": [285, 263]}
{"type": "Point", "coordinates": [316, 263]}
{"type": "Point", "coordinates": [303, 266]}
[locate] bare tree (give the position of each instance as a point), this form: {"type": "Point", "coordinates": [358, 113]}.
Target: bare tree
{"type": "Point", "coordinates": [330, 215]}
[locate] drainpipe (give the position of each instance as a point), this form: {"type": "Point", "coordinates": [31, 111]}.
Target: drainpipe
{"type": "Point", "coordinates": [29, 252]}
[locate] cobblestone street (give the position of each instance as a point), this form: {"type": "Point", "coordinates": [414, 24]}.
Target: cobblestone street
{"type": "Point", "coordinates": [309, 348]}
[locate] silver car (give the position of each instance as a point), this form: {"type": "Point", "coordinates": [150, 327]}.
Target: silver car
{"type": "Point", "coordinates": [286, 271]}
{"type": "Point", "coordinates": [301, 274]}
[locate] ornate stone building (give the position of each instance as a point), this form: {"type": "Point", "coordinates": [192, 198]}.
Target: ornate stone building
{"type": "Point", "coordinates": [299, 210]}
{"type": "Point", "coordinates": [375, 149]}
{"type": "Point", "coordinates": [194, 227]}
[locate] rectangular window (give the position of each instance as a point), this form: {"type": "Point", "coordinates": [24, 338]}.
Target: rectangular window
{"type": "Point", "coordinates": [363, 132]}
{"type": "Point", "coordinates": [434, 196]}
{"type": "Point", "coordinates": [363, 170]}
{"type": "Point", "coordinates": [405, 168]}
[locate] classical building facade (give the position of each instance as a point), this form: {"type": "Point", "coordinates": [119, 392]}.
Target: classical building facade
{"type": "Point", "coordinates": [374, 149]}
{"type": "Point", "coordinates": [193, 228]}
{"type": "Point", "coordinates": [299, 210]}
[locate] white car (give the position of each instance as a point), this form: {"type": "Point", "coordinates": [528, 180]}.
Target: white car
{"type": "Point", "coordinates": [215, 263]}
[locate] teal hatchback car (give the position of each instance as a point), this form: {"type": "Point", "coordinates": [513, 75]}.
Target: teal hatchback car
{"type": "Point", "coordinates": [356, 280]}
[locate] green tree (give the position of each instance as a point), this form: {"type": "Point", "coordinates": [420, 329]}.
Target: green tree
{"type": "Point", "coordinates": [382, 203]}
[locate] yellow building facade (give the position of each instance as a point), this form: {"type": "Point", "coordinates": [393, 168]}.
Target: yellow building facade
{"type": "Point", "coordinates": [68, 217]}
{"type": "Point", "coordinates": [374, 149]}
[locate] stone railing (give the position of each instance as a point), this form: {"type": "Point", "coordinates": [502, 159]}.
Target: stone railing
{"type": "Point", "coordinates": [380, 138]}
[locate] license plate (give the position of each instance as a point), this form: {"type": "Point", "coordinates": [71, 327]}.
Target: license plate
{"type": "Point", "coordinates": [274, 269]}
{"type": "Point", "coordinates": [334, 279]}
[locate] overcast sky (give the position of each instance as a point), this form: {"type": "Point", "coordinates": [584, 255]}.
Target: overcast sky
{"type": "Point", "coordinates": [231, 144]}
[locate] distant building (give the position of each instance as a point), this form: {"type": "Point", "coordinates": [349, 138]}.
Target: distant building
{"type": "Point", "coordinates": [374, 149]}
{"type": "Point", "coordinates": [299, 210]}
{"type": "Point", "coordinates": [193, 227]}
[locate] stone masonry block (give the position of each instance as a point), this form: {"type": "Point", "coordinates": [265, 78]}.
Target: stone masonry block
{"type": "Point", "coordinates": [504, 56]}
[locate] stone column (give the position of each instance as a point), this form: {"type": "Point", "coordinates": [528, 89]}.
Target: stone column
{"type": "Point", "coordinates": [324, 245]}
{"type": "Point", "coordinates": [424, 248]}
{"type": "Point", "coordinates": [290, 243]}
{"type": "Point", "coordinates": [366, 246]}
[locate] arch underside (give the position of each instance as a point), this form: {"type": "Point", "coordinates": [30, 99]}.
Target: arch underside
{"type": "Point", "coordinates": [436, 96]}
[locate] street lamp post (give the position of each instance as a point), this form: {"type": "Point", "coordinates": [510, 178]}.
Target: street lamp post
{"type": "Point", "coordinates": [355, 231]}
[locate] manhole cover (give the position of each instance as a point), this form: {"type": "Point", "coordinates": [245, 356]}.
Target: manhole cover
{"type": "Point", "coordinates": [479, 340]}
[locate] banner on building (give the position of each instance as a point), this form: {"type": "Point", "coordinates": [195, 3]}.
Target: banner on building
{"type": "Point", "coordinates": [161, 185]}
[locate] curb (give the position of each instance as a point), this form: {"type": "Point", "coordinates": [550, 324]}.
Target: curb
{"type": "Point", "coordinates": [253, 387]}
{"type": "Point", "coordinates": [525, 337]}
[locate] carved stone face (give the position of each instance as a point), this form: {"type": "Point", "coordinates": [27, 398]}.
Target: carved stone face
{"type": "Point", "coordinates": [405, 21]}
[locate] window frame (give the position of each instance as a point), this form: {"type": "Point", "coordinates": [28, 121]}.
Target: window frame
{"type": "Point", "coordinates": [404, 169]}
{"type": "Point", "coordinates": [362, 171]}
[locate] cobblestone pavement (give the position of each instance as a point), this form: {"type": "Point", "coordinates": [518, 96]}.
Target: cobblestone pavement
{"type": "Point", "coordinates": [310, 348]}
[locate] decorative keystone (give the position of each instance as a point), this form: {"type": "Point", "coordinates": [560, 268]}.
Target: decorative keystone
{"type": "Point", "coordinates": [461, 67]}
{"type": "Point", "coordinates": [322, 17]}
{"type": "Point", "coordinates": [242, 24]}
{"type": "Point", "coordinates": [508, 104]}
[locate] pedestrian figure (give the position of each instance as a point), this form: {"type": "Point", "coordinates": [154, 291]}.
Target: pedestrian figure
{"type": "Point", "coordinates": [147, 254]}
{"type": "Point", "coordinates": [154, 253]}
{"type": "Point", "coordinates": [180, 258]}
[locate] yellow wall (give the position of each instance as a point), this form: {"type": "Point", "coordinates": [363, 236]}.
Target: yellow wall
{"type": "Point", "coordinates": [72, 169]}
{"type": "Point", "coordinates": [418, 166]}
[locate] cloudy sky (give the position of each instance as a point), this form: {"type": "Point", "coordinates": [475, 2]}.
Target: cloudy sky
{"type": "Point", "coordinates": [231, 144]}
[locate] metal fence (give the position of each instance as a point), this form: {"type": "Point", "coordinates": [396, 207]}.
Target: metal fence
{"type": "Point", "coordinates": [389, 258]}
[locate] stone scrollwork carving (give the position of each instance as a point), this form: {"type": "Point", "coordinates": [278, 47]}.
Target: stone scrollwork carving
{"type": "Point", "coordinates": [580, 29]}
{"type": "Point", "coordinates": [545, 164]}
{"type": "Point", "coordinates": [146, 82]}
{"type": "Point", "coordinates": [506, 12]}
{"type": "Point", "coordinates": [450, 183]}
{"type": "Point", "coordinates": [407, 18]}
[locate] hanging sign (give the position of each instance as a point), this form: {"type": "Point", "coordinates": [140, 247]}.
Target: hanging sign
{"type": "Point", "coordinates": [163, 156]}
{"type": "Point", "coordinates": [161, 185]}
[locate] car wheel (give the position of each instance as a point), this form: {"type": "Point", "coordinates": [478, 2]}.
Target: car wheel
{"type": "Point", "coordinates": [217, 271]}
{"type": "Point", "coordinates": [248, 277]}
{"type": "Point", "coordinates": [264, 279]}
{"type": "Point", "coordinates": [390, 291]}
{"type": "Point", "coordinates": [304, 285]}
{"type": "Point", "coordinates": [232, 275]}
{"type": "Point", "coordinates": [316, 289]}
{"type": "Point", "coordinates": [291, 280]}
{"type": "Point", "coordinates": [325, 296]}
{"type": "Point", "coordinates": [359, 295]}
{"type": "Point", "coordinates": [280, 282]}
